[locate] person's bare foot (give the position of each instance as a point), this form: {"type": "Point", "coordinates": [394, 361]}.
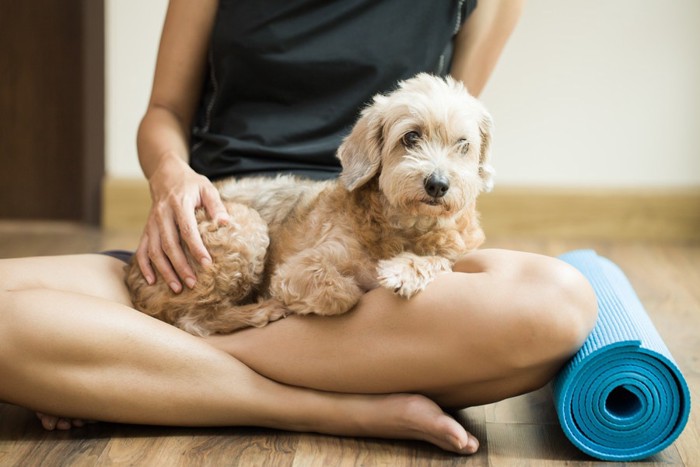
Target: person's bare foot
{"type": "Point", "coordinates": [428, 422]}
{"type": "Point", "coordinates": [403, 416]}
{"type": "Point", "coordinates": [51, 422]}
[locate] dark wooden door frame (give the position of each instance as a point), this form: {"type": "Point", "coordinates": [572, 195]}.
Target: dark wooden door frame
{"type": "Point", "coordinates": [94, 108]}
{"type": "Point", "coordinates": [52, 78]}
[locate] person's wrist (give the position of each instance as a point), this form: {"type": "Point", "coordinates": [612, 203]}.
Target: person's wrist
{"type": "Point", "coordinates": [170, 164]}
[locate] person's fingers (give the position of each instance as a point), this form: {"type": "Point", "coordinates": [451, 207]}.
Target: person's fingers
{"type": "Point", "coordinates": [187, 224]}
{"type": "Point", "coordinates": [143, 260]}
{"type": "Point", "coordinates": [178, 223]}
{"type": "Point", "coordinates": [216, 210]}
{"type": "Point", "coordinates": [158, 254]}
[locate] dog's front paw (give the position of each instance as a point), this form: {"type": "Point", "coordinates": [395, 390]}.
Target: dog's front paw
{"type": "Point", "coordinates": [407, 274]}
{"type": "Point", "coordinates": [398, 278]}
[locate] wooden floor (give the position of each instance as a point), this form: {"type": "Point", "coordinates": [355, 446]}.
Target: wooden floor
{"type": "Point", "coordinates": [522, 431]}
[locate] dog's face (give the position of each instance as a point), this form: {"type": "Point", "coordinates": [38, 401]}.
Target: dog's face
{"type": "Point", "coordinates": [428, 143]}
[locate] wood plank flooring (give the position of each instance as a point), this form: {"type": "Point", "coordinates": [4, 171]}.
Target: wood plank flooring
{"type": "Point", "coordinates": [522, 431]}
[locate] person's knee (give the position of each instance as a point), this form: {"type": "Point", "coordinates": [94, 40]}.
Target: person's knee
{"type": "Point", "coordinates": [559, 313]}
{"type": "Point", "coordinates": [539, 308]}
{"type": "Point", "coordinates": [580, 304]}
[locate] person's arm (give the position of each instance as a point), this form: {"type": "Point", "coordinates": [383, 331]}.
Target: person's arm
{"type": "Point", "coordinates": [163, 147]}
{"type": "Point", "coordinates": [481, 40]}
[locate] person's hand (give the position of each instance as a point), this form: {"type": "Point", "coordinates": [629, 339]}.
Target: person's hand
{"type": "Point", "coordinates": [176, 191]}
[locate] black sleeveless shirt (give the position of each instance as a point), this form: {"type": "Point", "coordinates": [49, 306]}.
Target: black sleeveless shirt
{"type": "Point", "coordinates": [287, 79]}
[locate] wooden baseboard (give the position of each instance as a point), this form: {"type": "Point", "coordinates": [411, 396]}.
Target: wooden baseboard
{"type": "Point", "coordinates": [629, 214]}
{"type": "Point", "coordinates": [125, 203]}
{"type": "Point", "coordinates": [609, 213]}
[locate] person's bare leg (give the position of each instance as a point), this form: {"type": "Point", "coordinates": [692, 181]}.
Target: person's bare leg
{"type": "Point", "coordinates": [501, 325]}
{"type": "Point", "coordinates": [64, 351]}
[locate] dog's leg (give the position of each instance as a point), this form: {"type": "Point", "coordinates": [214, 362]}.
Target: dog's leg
{"type": "Point", "coordinates": [224, 320]}
{"type": "Point", "coordinates": [406, 274]}
{"type": "Point", "coordinates": [320, 280]}
{"type": "Point", "coordinates": [238, 252]}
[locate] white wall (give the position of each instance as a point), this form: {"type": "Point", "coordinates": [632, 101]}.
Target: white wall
{"type": "Point", "coordinates": [602, 93]}
{"type": "Point", "coordinates": [605, 92]}
{"type": "Point", "coordinates": [132, 34]}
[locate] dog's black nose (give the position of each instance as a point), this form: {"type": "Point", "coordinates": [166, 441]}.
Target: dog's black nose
{"type": "Point", "coordinates": [436, 185]}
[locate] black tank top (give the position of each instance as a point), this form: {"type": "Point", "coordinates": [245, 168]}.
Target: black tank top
{"type": "Point", "coordinates": [287, 79]}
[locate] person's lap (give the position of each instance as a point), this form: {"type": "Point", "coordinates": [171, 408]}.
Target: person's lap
{"type": "Point", "coordinates": [458, 334]}
{"type": "Point", "coordinates": [471, 337]}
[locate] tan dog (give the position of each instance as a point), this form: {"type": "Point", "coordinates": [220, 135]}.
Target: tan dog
{"type": "Point", "coordinates": [402, 212]}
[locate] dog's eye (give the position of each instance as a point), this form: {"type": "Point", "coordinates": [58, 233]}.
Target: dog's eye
{"type": "Point", "coordinates": [410, 139]}
{"type": "Point", "coordinates": [463, 145]}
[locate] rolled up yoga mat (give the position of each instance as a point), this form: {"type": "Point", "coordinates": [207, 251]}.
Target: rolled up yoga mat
{"type": "Point", "coordinates": [621, 397]}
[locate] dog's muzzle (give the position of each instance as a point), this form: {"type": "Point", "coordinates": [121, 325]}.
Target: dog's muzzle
{"type": "Point", "coordinates": [436, 185]}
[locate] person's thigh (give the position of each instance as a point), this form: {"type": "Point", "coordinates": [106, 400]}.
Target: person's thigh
{"type": "Point", "coordinates": [503, 324]}
{"type": "Point", "coordinates": [90, 274]}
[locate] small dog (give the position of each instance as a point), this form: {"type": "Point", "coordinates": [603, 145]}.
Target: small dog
{"type": "Point", "coordinates": [402, 212]}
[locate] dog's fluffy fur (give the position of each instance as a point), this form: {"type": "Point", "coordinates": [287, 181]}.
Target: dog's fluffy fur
{"type": "Point", "coordinates": [402, 212]}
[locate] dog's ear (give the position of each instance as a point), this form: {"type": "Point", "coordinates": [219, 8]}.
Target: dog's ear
{"type": "Point", "coordinates": [360, 152]}
{"type": "Point", "coordinates": [486, 170]}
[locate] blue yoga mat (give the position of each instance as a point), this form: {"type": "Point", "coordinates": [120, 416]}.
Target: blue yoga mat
{"type": "Point", "coordinates": [621, 397]}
